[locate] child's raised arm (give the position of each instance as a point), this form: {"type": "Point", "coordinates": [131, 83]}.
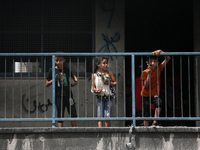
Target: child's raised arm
{"type": "Point", "coordinates": [157, 53]}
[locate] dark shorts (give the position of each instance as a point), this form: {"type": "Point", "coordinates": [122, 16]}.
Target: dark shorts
{"type": "Point", "coordinates": [67, 102]}
{"type": "Point", "coordinates": [146, 104]}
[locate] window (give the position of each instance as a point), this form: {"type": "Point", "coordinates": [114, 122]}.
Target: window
{"type": "Point", "coordinates": [43, 26]}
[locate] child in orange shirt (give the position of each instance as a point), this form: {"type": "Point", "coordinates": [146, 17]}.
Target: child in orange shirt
{"type": "Point", "coordinates": [152, 90]}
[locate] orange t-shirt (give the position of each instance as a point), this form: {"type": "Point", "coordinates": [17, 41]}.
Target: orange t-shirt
{"type": "Point", "coordinates": [154, 89]}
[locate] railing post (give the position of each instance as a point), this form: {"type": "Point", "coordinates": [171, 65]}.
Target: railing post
{"type": "Point", "coordinates": [53, 91]}
{"type": "Point", "coordinates": [133, 88]}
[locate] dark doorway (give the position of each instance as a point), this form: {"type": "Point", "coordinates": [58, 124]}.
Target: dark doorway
{"type": "Point", "coordinates": [151, 25]}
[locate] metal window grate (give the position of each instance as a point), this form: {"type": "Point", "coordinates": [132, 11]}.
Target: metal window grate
{"type": "Point", "coordinates": [43, 26]}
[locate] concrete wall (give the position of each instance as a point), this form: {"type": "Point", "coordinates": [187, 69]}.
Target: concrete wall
{"type": "Point", "coordinates": [17, 104]}
{"type": "Point", "coordinates": [110, 37]}
{"type": "Point", "coordinates": [155, 138]}
{"type": "Point", "coordinates": [110, 23]}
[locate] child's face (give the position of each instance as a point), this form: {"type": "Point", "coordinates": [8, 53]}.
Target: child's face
{"type": "Point", "coordinates": [59, 62]}
{"type": "Point", "coordinates": [104, 64]}
{"type": "Point", "coordinates": [153, 63]}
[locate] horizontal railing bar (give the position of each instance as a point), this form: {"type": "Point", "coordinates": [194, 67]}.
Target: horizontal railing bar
{"type": "Point", "coordinates": [68, 54]}
{"type": "Point", "coordinates": [104, 119]}
{"type": "Point", "coordinates": [99, 54]}
{"type": "Point", "coordinates": [39, 74]}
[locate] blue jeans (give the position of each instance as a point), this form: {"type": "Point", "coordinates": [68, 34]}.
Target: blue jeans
{"type": "Point", "coordinates": [104, 107]}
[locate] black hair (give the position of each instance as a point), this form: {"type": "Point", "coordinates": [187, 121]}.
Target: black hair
{"type": "Point", "coordinates": [97, 61]}
{"type": "Point", "coordinates": [60, 55]}
{"type": "Point", "coordinates": [151, 57]}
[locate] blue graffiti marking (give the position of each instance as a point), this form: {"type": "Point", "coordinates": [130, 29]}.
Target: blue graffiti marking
{"type": "Point", "coordinates": [109, 42]}
{"type": "Point", "coordinates": [108, 6]}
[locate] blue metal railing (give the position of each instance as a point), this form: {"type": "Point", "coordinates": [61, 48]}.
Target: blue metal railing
{"type": "Point", "coordinates": [134, 118]}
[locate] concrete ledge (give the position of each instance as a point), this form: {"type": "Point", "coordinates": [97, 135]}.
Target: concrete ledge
{"type": "Point", "coordinates": [168, 129]}
{"type": "Point", "coordinates": [64, 129]}
{"type": "Point", "coordinates": [89, 138]}
{"type": "Point", "coordinates": [99, 130]}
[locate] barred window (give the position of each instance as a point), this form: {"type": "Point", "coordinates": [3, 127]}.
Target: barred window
{"type": "Point", "coordinates": [42, 26]}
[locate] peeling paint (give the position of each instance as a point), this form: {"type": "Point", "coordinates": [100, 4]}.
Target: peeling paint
{"type": "Point", "coordinates": [27, 143]}
{"type": "Point", "coordinates": [114, 141]}
{"type": "Point", "coordinates": [198, 142]}
{"type": "Point", "coordinates": [100, 144]}
{"type": "Point", "coordinates": [168, 144]}
{"type": "Point", "coordinates": [11, 143]}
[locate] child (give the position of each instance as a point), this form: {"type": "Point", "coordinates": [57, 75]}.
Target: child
{"type": "Point", "coordinates": [63, 97]}
{"type": "Point", "coordinates": [150, 75]}
{"type": "Point", "coordinates": [102, 85]}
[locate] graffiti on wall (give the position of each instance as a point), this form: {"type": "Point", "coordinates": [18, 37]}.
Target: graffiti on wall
{"type": "Point", "coordinates": [109, 42]}
{"type": "Point", "coordinates": [108, 6]}
{"type": "Point", "coordinates": [33, 105]}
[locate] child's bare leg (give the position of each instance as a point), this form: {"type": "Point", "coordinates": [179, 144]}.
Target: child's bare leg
{"type": "Point", "coordinates": [100, 124]}
{"type": "Point", "coordinates": [73, 123]}
{"type": "Point", "coordinates": [107, 124]}
{"type": "Point", "coordinates": [157, 112]}
{"type": "Point", "coordinates": [146, 123]}
{"type": "Point", "coordinates": [60, 124]}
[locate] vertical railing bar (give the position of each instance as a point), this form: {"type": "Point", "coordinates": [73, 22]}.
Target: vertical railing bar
{"type": "Point", "coordinates": [85, 87]}
{"type": "Point", "coordinates": [109, 64]}
{"type": "Point", "coordinates": [158, 90]}
{"type": "Point", "coordinates": [29, 91]}
{"type": "Point", "coordinates": [5, 88]}
{"type": "Point", "coordinates": [133, 89]}
{"type": "Point", "coordinates": [165, 88]}
{"type": "Point", "coordinates": [21, 87]}
{"type": "Point", "coordinates": [197, 86]}
{"type": "Point", "coordinates": [173, 86]}
{"type": "Point", "coordinates": [44, 84]}
{"type": "Point", "coordinates": [181, 84]}
{"type": "Point", "coordinates": [78, 85]}
{"type": "Point", "coordinates": [62, 89]}
{"type": "Point", "coordinates": [37, 87]}
{"type": "Point", "coordinates": [150, 92]}
{"type": "Point", "coordinates": [42, 39]}
{"type": "Point", "coordinates": [117, 104]}
{"type": "Point", "coordinates": [142, 66]}
{"type": "Point", "coordinates": [189, 90]}
{"type": "Point", "coordinates": [13, 89]}
{"type": "Point", "coordinates": [70, 79]}
{"type": "Point", "coordinates": [93, 72]}
{"type": "Point", "coordinates": [53, 91]}
{"type": "Point", "coordinates": [124, 69]}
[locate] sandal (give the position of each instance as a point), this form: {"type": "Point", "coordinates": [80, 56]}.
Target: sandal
{"type": "Point", "coordinates": [156, 124]}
